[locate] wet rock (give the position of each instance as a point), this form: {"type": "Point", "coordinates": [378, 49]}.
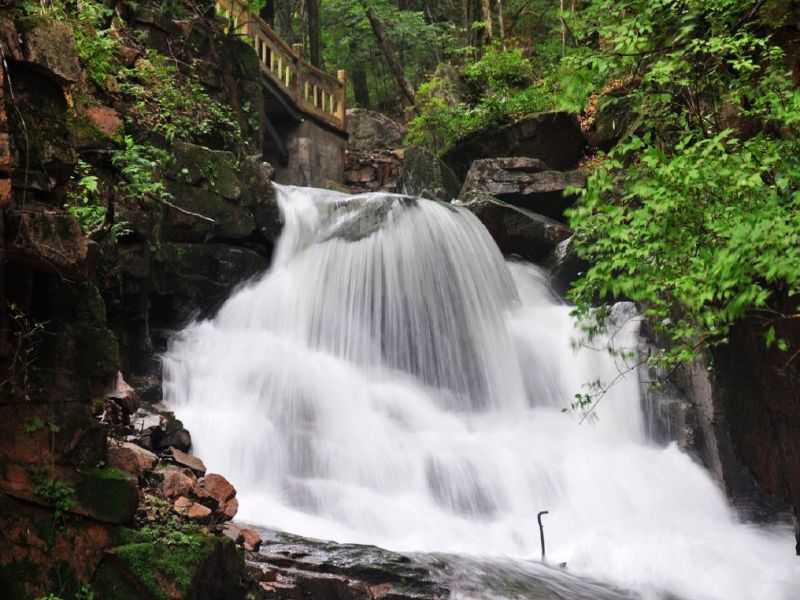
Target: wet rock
{"type": "Point", "coordinates": [524, 182]}
{"type": "Point", "coordinates": [198, 277]}
{"type": "Point", "coordinates": [177, 481]}
{"type": "Point", "coordinates": [258, 195]}
{"type": "Point", "coordinates": [188, 460]}
{"type": "Point", "coordinates": [130, 458]}
{"type": "Point", "coordinates": [370, 130]}
{"type": "Point", "coordinates": [515, 230]}
{"type": "Point", "coordinates": [564, 266]}
{"type": "Point", "coordinates": [50, 45]}
{"type": "Point", "coordinates": [553, 137]}
{"type": "Point", "coordinates": [425, 175]}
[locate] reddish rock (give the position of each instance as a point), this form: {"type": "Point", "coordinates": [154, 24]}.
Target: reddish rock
{"type": "Point", "coordinates": [131, 458]}
{"type": "Point", "coordinates": [188, 460]}
{"type": "Point", "coordinates": [230, 508]}
{"type": "Point", "coordinates": [198, 512]}
{"type": "Point", "coordinates": [251, 539]}
{"type": "Point", "coordinates": [215, 486]}
{"type": "Point", "coordinates": [177, 482]}
{"type": "Point", "coordinates": [192, 510]}
{"type": "Point", "coordinates": [105, 119]}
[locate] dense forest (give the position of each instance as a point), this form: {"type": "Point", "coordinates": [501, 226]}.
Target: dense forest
{"type": "Point", "coordinates": [705, 222]}
{"type": "Point", "coordinates": [574, 201]}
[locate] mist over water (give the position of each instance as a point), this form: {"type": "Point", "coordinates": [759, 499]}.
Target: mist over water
{"type": "Point", "coordinates": [393, 380]}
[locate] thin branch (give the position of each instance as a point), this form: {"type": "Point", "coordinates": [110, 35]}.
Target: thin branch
{"type": "Point", "coordinates": [187, 212]}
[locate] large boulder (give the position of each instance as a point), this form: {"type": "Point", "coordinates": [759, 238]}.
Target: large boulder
{"type": "Point", "coordinates": [427, 176]}
{"type": "Point", "coordinates": [524, 182]}
{"type": "Point", "coordinates": [553, 137]}
{"type": "Point", "coordinates": [613, 118]}
{"type": "Point", "coordinates": [516, 230]}
{"type": "Point", "coordinates": [370, 130]}
{"type": "Point", "coordinates": [50, 45]}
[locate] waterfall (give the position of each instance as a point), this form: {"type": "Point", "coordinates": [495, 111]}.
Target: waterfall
{"type": "Point", "coordinates": [393, 380]}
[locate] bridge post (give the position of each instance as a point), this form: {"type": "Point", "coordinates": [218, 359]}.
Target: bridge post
{"type": "Point", "coordinates": [341, 75]}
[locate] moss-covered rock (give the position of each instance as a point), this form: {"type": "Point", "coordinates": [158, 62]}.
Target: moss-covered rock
{"type": "Point", "coordinates": [199, 567]}
{"type": "Point", "coordinates": [107, 494]}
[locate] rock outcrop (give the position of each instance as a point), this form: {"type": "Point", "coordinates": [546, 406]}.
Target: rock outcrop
{"type": "Point", "coordinates": [515, 230]}
{"type": "Point", "coordinates": [524, 182]}
{"type": "Point", "coordinates": [554, 138]}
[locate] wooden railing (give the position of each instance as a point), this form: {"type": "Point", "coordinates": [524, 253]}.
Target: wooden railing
{"type": "Point", "coordinates": [312, 90]}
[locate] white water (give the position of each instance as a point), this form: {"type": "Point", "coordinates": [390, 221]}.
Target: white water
{"type": "Point", "coordinates": [392, 380]}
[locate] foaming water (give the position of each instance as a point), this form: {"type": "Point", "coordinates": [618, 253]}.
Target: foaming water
{"type": "Point", "coordinates": [392, 380]}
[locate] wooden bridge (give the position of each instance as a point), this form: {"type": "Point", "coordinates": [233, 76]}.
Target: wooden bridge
{"type": "Point", "coordinates": [311, 90]}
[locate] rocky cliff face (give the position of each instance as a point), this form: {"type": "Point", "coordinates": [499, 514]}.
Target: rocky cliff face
{"type": "Point", "coordinates": [126, 210]}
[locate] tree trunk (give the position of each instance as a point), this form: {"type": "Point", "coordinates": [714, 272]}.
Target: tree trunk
{"type": "Point", "coordinates": [358, 77]}
{"type": "Point", "coordinates": [314, 33]}
{"type": "Point", "coordinates": [283, 20]}
{"type": "Point", "coordinates": [268, 13]}
{"type": "Point", "coordinates": [501, 21]}
{"type": "Point", "coordinates": [389, 53]}
{"type": "Point", "coordinates": [486, 5]}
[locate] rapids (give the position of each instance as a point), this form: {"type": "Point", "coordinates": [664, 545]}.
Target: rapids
{"type": "Point", "coordinates": [393, 380]}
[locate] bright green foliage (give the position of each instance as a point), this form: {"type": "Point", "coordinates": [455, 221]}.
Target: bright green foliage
{"type": "Point", "coordinates": [176, 106]}
{"type": "Point", "coordinates": [699, 227]}
{"type": "Point", "coordinates": [96, 44]}
{"type": "Point", "coordinates": [141, 166]}
{"type": "Point", "coordinates": [85, 203]}
{"type": "Point", "coordinates": [59, 494]}
{"type": "Point", "coordinates": [499, 88]}
{"type": "Point", "coordinates": [348, 43]}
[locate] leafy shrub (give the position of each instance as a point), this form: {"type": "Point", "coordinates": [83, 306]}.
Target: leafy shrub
{"type": "Point", "coordinates": [84, 199]}
{"type": "Point", "coordinates": [175, 105]}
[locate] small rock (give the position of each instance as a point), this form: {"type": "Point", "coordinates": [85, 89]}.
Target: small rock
{"type": "Point", "coordinates": [105, 119]}
{"type": "Point", "coordinates": [190, 509]}
{"type": "Point", "coordinates": [252, 540]}
{"type": "Point", "coordinates": [198, 512]}
{"type": "Point", "coordinates": [230, 508]}
{"type": "Point", "coordinates": [131, 458]}
{"type": "Point", "coordinates": [124, 394]}
{"type": "Point", "coordinates": [216, 487]}
{"type": "Point", "coordinates": [188, 460]}
{"type": "Point", "coordinates": [233, 532]}
{"type": "Point", "coordinates": [182, 504]}
{"type": "Point", "coordinates": [177, 482]}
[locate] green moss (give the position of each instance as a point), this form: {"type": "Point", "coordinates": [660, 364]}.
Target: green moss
{"type": "Point", "coordinates": [108, 494]}
{"type": "Point", "coordinates": [159, 567]}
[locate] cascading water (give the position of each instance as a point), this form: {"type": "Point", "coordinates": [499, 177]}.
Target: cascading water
{"type": "Point", "coordinates": [392, 380]}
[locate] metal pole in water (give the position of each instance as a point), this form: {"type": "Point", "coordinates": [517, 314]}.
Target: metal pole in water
{"type": "Point", "coordinates": [541, 531]}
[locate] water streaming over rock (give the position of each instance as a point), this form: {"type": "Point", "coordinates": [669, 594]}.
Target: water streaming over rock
{"type": "Point", "coordinates": [392, 380]}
